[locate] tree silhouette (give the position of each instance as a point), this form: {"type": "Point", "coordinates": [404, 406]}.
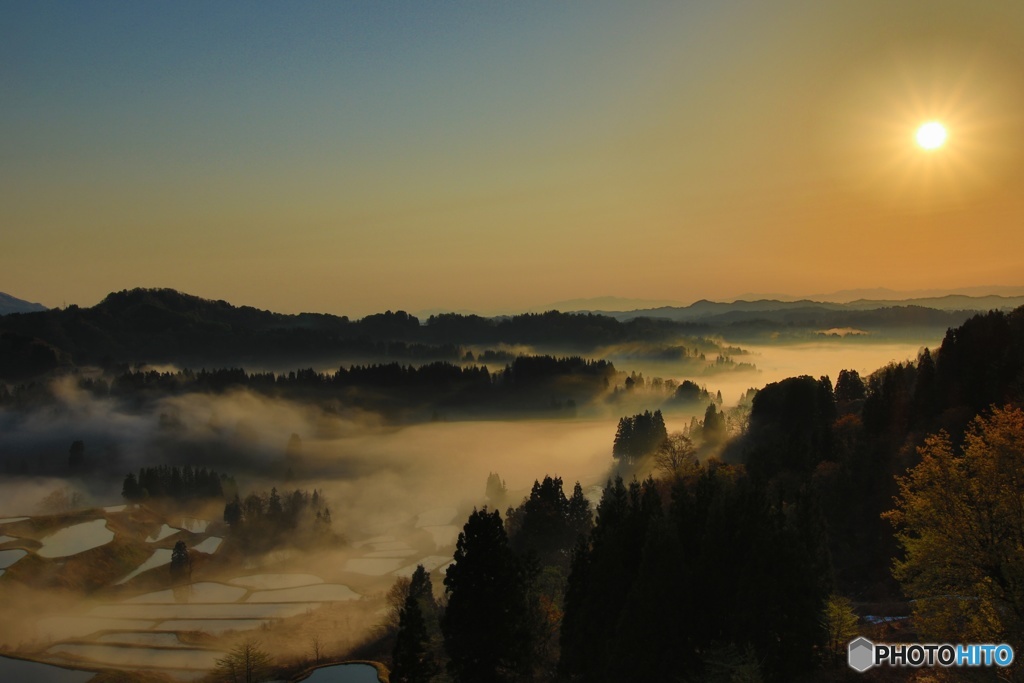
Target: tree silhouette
{"type": "Point", "coordinates": [849, 386]}
{"type": "Point", "coordinates": [247, 662]}
{"type": "Point", "coordinates": [181, 563]}
{"type": "Point", "coordinates": [639, 435]}
{"type": "Point", "coordinates": [484, 622]}
{"type": "Point", "coordinates": [412, 660]}
{"type": "Point", "coordinates": [76, 456]}
{"type": "Point", "coordinates": [676, 457]}
{"type": "Point", "coordinates": [714, 424]}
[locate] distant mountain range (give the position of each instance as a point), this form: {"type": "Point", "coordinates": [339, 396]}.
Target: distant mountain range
{"type": "Point", "coordinates": [885, 294]}
{"type": "Point", "coordinates": [10, 304]}
{"type": "Point", "coordinates": [943, 299]}
{"type": "Point", "coordinates": [605, 303]}
{"type": "Point", "coordinates": [772, 309]}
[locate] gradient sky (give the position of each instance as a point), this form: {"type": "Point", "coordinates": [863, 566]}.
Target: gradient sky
{"type": "Point", "coordinates": [349, 157]}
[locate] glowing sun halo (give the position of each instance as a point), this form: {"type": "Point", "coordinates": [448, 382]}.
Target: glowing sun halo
{"type": "Point", "coordinates": [931, 135]}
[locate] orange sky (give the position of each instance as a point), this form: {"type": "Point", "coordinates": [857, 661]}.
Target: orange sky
{"type": "Point", "coordinates": [354, 158]}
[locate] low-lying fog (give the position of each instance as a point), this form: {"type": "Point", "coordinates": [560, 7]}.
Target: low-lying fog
{"type": "Point", "coordinates": [828, 358]}
{"type": "Point", "coordinates": [368, 468]}
{"type": "Point", "coordinates": [398, 495]}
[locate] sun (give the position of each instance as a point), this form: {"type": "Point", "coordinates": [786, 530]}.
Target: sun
{"type": "Point", "coordinates": [931, 135]}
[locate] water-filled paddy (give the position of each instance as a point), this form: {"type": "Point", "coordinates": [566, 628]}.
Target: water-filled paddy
{"type": "Point", "coordinates": [5, 539]}
{"type": "Point", "coordinates": [60, 628]}
{"type": "Point", "coordinates": [274, 581]}
{"type": "Point", "coordinates": [209, 546]}
{"type": "Point", "coordinates": [155, 639]}
{"type": "Point", "coordinates": [443, 536]}
{"type": "Point", "coordinates": [11, 520]}
{"type": "Point", "coordinates": [324, 592]}
{"type": "Point", "coordinates": [391, 553]}
{"type": "Point", "coordinates": [344, 673]}
{"type": "Point", "coordinates": [212, 626]}
{"type": "Point", "coordinates": [436, 517]}
{"type": "Point", "coordinates": [21, 670]}
{"type": "Point", "coordinates": [430, 563]}
{"type": "Point", "coordinates": [141, 657]}
{"type": "Point", "coordinates": [76, 539]}
{"type": "Point", "coordinates": [375, 540]}
{"type": "Point", "coordinates": [163, 533]}
{"type": "Point", "coordinates": [196, 526]}
{"type": "Point", "coordinates": [240, 610]}
{"type": "Point", "coordinates": [9, 557]}
{"type": "Point", "coordinates": [371, 566]}
{"type": "Point", "coordinates": [159, 558]}
{"type": "Point", "coordinates": [389, 545]}
{"type": "Point", "coordinates": [208, 592]}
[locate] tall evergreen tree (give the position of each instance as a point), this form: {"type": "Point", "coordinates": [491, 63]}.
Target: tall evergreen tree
{"type": "Point", "coordinates": [181, 563]}
{"type": "Point", "coordinates": [601, 575]}
{"type": "Point", "coordinates": [76, 455]}
{"type": "Point", "coordinates": [412, 660]}
{"type": "Point", "coordinates": [484, 622]}
{"type": "Point", "coordinates": [131, 491]}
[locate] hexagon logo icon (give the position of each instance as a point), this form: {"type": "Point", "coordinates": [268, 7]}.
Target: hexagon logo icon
{"type": "Point", "coordinates": [861, 654]}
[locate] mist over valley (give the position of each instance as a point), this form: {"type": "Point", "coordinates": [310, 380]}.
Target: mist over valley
{"type": "Point", "coordinates": [331, 483]}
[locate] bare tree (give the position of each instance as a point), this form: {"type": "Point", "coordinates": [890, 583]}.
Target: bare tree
{"type": "Point", "coordinates": [245, 663]}
{"type": "Point", "coordinates": [395, 599]}
{"type": "Point", "coordinates": [676, 456]}
{"type": "Point", "coordinates": [317, 646]}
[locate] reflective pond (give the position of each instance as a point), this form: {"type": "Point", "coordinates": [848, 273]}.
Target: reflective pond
{"type": "Point", "coordinates": [344, 673]}
{"type": "Point", "coordinates": [21, 670]}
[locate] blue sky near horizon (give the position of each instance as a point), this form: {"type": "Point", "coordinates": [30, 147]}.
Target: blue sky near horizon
{"type": "Point", "coordinates": [352, 157]}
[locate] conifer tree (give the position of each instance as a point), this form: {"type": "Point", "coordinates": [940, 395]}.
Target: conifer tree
{"type": "Point", "coordinates": [412, 660]}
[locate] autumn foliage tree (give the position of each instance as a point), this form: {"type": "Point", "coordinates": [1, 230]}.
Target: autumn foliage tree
{"type": "Point", "coordinates": [960, 521]}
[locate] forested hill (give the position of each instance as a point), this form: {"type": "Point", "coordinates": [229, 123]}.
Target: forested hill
{"type": "Point", "coordinates": [746, 320]}
{"type": "Point", "coordinates": [163, 325]}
